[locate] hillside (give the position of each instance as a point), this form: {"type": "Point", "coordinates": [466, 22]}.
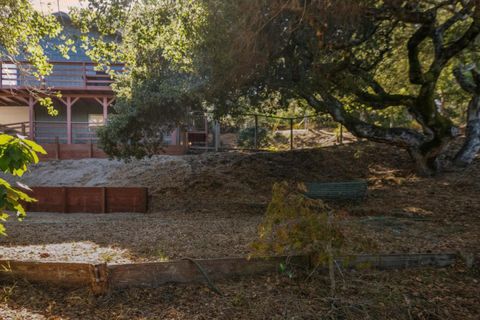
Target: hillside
{"type": "Point", "coordinates": [221, 198]}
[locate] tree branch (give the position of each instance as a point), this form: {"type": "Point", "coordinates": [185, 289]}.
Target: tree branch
{"type": "Point", "coordinates": [415, 66]}
{"type": "Point", "coordinates": [401, 137]}
{"type": "Point", "coordinates": [467, 38]}
{"type": "Point", "coordinates": [466, 84]}
{"type": "Point", "coordinates": [381, 99]}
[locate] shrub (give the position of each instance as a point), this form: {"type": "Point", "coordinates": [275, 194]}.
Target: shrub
{"type": "Point", "coordinates": [295, 224]}
{"type": "Point", "coordinates": [246, 137]}
{"type": "Point", "coordinates": [15, 155]}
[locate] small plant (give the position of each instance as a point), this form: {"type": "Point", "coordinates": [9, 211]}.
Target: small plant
{"type": "Point", "coordinates": [7, 293]}
{"type": "Point", "coordinates": [107, 257]}
{"type": "Point", "coordinates": [295, 224]}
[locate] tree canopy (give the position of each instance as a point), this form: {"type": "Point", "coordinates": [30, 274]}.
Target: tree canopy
{"type": "Point", "coordinates": [355, 60]}
{"type": "Point", "coordinates": [24, 34]}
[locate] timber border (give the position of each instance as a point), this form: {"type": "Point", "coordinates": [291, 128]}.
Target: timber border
{"type": "Point", "coordinates": [101, 278]}
{"type": "Point", "coordinates": [89, 199]}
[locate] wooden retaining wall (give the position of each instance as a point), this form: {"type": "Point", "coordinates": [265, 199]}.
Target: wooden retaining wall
{"type": "Point", "coordinates": [101, 277]}
{"type": "Point", "coordinates": [89, 199]}
{"type": "Point", "coordinates": [63, 151]}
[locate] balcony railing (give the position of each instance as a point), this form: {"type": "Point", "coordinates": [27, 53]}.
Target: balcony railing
{"type": "Point", "coordinates": [64, 75]}
{"type": "Point", "coordinates": [57, 131]}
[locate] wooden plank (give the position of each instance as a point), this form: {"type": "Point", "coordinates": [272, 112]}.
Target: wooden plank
{"type": "Point", "coordinates": [157, 274]}
{"type": "Point", "coordinates": [56, 273]}
{"type": "Point", "coordinates": [102, 277]}
{"type": "Point", "coordinates": [399, 261]}
{"type": "Point", "coordinates": [50, 199]}
{"type": "Point", "coordinates": [74, 151]}
{"type": "Point", "coordinates": [184, 271]}
{"type": "Point", "coordinates": [89, 199]}
{"type": "Point", "coordinates": [104, 200]}
{"type": "Point", "coordinates": [84, 199]}
{"type": "Point", "coordinates": [125, 199]}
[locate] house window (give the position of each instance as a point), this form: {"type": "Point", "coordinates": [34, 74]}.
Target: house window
{"type": "Point", "coordinates": [9, 74]}
{"type": "Point", "coordinates": [95, 120]}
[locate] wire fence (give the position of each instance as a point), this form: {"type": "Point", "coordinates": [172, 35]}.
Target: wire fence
{"type": "Point", "coordinates": [265, 132]}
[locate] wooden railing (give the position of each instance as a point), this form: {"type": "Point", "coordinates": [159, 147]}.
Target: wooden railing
{"type": "Point", "coordinates": [45, 132]}
{"type": "Point", "coordinates": [56, 131]}
{"type": "Point", "coordinates": [64, 75]}
{"type": "Point", "coordinates": [22, 128]}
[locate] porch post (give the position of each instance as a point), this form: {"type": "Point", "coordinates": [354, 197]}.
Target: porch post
{"type": "Point", "coordinates": [31, 117]}
{"type": "Point", "coordinates": [69, 120]}
{"type": "Point", "coordinates": [217, 135]}
{"type": "Point", "coordinates": [105, 109]}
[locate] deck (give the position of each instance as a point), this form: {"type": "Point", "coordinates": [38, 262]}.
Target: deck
{"type": "Point", "coordinates": [17, 81]}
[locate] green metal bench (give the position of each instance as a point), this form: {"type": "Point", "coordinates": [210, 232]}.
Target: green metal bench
{"type": "Point", "coordinates": [348, 190]}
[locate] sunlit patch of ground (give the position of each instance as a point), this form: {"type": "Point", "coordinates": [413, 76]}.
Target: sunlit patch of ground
{"type": "Point", "coordinates": [7, 313]}
{"type": "Point", "coordinates": [83, 251]}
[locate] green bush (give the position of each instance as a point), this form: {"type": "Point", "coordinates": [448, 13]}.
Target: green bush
{"type": "Point", "coordinates": [15, 156]}
{"type": "Point", "coordinates": [246, 137]}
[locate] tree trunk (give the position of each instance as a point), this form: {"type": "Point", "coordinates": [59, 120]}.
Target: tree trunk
{"type": "Point", "coordinates": [425, 164]}
{"type": "Point", "coordinates": [471, 147]}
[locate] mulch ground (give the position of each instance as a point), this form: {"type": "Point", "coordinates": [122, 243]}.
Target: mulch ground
{"type": "Point", "coordinates": [212, 209]}
{"type": "Point", "coordinates": [450, 293]}
{"type": "Point", "coordinates": [213, 206]}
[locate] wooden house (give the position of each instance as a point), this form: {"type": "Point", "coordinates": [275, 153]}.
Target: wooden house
{"type": "Point", "coordinates": [85, 104]}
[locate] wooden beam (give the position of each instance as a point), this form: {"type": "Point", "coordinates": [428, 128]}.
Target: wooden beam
{"type": "Point", "coordinates": [31, 117]}
{"type": "Point", "coordinates": [62, 101]}
{"type": "Point", "coordinates": [23, 99]}
{"type": "Point", "coordinates": [105, 102]}
{"type": "Point", "coordinates": [105, 109]}
{"type": "Point", "coordinates": [69, 120]}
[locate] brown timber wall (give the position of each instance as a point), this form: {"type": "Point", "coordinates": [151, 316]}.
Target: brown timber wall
{"type": "Point", "coordinates": [102, 277]}
{"type": "Point", "coordinates": [63, 151]}
{"type": "Point", "coordinates": [89, 199]}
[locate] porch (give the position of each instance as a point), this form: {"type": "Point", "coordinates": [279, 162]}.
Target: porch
{"type": "Point", "coordinates": [72, 134]}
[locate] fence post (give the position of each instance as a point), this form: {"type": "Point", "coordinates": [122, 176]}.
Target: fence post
{"type": "Point", "coordinates": [206, 132]}
{"type": "Point", "coordinates": [291, 133]}
{"type": "Point", "coordinates": [84, 75]}
{"type": "Point", "coordinates": [31, 117]}
{"type": "Point", "coordinates": [90, 151]}
{"type": "Point", "coordinates": [255, 133]}
{"type": "Point", "coordinates": [341, 134]}
{"type": "Point", "coordinates": [217, 136]}
{"type": "Point", "coordinates": [57, 149]}
{"type": "Point", "coordinates": [24, 131]}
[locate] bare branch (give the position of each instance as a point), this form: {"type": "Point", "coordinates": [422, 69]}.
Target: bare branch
{"type": "Point", "coordinates": [466, 84]}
